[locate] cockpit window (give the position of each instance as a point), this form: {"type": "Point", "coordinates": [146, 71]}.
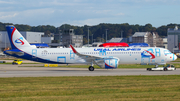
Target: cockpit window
{"type": "Point", "coordinates": [166, 52]}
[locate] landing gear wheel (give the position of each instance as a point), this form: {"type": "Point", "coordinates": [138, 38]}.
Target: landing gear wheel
{"type": "Point", "coordinates": [165, 69]}
{"type": "Point", "coordinates": [91, 68]}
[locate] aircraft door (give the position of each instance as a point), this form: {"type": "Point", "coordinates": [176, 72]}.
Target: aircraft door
{"type": "Point", "coordinates": [34, 53]}
{"type": "Point", "coordinates": [72, 55]}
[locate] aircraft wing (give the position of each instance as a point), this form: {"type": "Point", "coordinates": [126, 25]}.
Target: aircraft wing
{"type": "Point", "coordinates": [88, 58]}
{"type": "Point", "coordinates": [108, 63]}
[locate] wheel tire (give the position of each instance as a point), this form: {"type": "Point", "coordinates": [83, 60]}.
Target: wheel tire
{"type": "Point", "coordinates": [91, 68]}
{"type": "Point", "coordinates": [147, 68]}
{"type": "Point", "coordinates": [165, 69]}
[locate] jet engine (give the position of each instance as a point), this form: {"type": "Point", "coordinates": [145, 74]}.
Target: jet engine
{"type": "Point", "coordinates": [107, 63]}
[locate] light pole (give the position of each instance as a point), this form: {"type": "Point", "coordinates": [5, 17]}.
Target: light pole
{"type": "Point", "coordinates": [121, 34]}
{"type": "Point", "coordinates": [103, 38]}
{"type": "Point", "coordinates": [106, 35]}
{"type": "Point", "coordinates": [92, 38]}
{"type": "Point", "coordinates": [5, 43]}
{"type": "Point", "coordinates": [88, 36]}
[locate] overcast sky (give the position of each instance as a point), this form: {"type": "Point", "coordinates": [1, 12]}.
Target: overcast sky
{"type": "Point", "coordinates": [89, 12]}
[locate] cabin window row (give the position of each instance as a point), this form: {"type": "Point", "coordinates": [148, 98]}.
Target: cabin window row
{"type": "Point", "coordinates": [53, 53]}
{"type": "Point", "coordinates": [112, 53]}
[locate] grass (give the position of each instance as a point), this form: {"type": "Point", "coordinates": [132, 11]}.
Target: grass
{"type": "Point", "coordinates": [101, 88]}
{"type": "Point", "coordinates": [177, 60]}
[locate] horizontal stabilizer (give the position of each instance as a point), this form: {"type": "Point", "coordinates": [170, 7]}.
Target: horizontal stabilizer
{"type": "Point", "coordinates": [14, 52]}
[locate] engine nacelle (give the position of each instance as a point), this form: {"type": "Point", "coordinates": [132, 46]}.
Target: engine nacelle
{"type": "Point", "coordinates": [111, 63]}
{"type": "Point", "coordinates": [108, 63]}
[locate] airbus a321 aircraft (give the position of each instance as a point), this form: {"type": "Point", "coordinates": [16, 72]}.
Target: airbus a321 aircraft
{"type": "Point", "coordinates": [107, 58]}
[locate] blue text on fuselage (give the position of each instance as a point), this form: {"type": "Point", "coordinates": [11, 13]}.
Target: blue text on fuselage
{"type": "Point", "coordinates": [118, 49]}
{"type": "Point", "coordinates": [101, 49]}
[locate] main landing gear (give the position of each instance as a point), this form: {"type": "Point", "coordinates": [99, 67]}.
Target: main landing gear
{"type": "Point", "coordinates": [91, 68]}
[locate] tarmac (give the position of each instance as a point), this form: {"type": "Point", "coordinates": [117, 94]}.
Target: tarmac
{"type": "Point", "coordinates": [9, 70]}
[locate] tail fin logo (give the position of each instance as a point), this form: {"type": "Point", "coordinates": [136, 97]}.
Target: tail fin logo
{"type": "Point", "coordinates": [19, 41]}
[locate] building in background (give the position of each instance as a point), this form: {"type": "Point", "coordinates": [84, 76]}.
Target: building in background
{"type": "Point", "coordinates": [31, 37]}
{"type": "Point", "coordinates": [118, 40]}
{"type": "Point", "coordinates": [173, 38]}
{"type": "Point", "coordinates": [152, 39]}
{"type": "Point", "coordinates": [4, 41]}
{"type": "Point", "coordinates": [141, 37]}
{"type": "Point", "coordinates": [157, 40]}
{"type": "Point", "coordinates": [47, 40]}
{"type": "Point", "coordinates": [67, 37]}
{"type": "Point", "coordinates": [165, 43]}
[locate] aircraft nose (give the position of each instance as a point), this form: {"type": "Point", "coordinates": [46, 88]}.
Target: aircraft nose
{"type": "Point", "coordinates": [175, 57]}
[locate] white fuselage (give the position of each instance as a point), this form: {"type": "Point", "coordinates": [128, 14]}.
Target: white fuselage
{"type": "Point", "coordinates": [124, 54]}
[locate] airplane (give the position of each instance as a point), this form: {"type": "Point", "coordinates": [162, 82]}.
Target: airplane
{"type": "Point", "coordinates": [107, 58]}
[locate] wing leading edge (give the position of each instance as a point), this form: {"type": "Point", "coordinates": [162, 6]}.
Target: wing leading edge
{"type": "Point", "coordinates": [88, 58]}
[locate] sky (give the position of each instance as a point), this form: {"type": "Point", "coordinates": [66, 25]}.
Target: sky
{"type": "Point", "coordinates": [90, 12]}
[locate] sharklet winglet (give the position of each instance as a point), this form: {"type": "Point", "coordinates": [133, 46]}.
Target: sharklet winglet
{"type": "Point", "coordinates": [73, 49]}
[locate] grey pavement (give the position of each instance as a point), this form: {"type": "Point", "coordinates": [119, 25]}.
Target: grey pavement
{"type": "Point", "coordinates": [8, 70]}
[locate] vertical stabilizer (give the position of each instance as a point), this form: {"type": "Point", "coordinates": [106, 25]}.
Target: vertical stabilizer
{"type": "Point", "coordinates": [17, 41]}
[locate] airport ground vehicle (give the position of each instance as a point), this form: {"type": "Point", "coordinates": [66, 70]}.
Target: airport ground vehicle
{"type": "Point", "coordinates": [168, 67]}
{"type": "Point", "coordinates": [17, 62]}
